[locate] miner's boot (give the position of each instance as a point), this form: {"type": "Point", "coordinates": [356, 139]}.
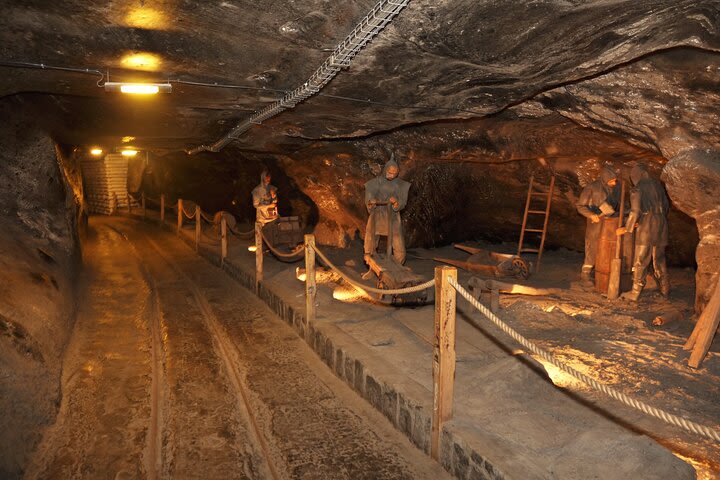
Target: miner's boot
{"type": "Point", "coordinates": [664, 286]}
{"type": "Point", "coordinates": [586, 274]}
{"type": "Point", "coordinates": [634, 294]}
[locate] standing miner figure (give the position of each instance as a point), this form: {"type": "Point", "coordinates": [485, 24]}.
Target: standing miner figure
{"type": "Point", "coordinates": [385, 196]}
{"type": "Point", "coordinates": [648, 218]}
{"type": "Point", "coordinates": [598, 198]}
{"type": "Point", "coordinates": [265, 200]}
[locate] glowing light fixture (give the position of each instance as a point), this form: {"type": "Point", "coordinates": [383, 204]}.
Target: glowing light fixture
{"type": "Point", "coordinates": [138, 88]}
{"type": "Point", "coordinates": [127, 139]}
{"type": "Point", "coordinates": [129, 152]}
{"type": "Point", "coordinates": [96, 151]}
{"type": "Point", "coordinates": [252, 248]}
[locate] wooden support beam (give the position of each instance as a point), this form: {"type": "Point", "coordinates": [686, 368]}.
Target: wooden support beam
{"type": "Point", "coordinates": [223, 239]}
{"type": "Point", "coordinates": [162, 208]}
{"type": "Point", "coordinates": [310, 284]}
{"type": "Point", "coordinates": [443, 354]}
{"type": "Point", "coordinates": [180, 215]}
{"type": "Point", "coordinates": [198, 225]}
{"type": "Point", "coordinates": [258, 256]}
{"type": "Point", "coordinates": [705, 329]}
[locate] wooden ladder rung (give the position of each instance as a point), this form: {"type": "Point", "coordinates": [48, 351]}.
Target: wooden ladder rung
{"type": "Point", "coordinates": [539, 212]}
{"type": "Point", "coordinates": [537, 230]}
{"type": "Point", "coordinates": [539, 194]}
{"type": "Point", "coordinates": [529, 250]}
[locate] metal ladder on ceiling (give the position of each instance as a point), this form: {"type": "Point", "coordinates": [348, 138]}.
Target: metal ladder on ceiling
{"type": "Point", "coordinates": [541, 212]}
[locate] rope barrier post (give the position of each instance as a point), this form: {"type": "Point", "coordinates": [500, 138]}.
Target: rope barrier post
{"type": "Point", "coordinates": [310, 285]}
{"type": "Point", "coordinates": [129, 205]}
{"type": "Point", "coordinates": [143, 205]}
{"type": "Point", "coordinates": [223, 239]}
{"type": "Point", "coordinates": [258, 256]}
{"type": "Point", "coordinates": [443, 354]}
{"type": "Point", "coordinates": [162, 208]}
{"type": "Point", "coordinates": [180, 216]}
{"type": "Point", "coordinates": [198, 225]}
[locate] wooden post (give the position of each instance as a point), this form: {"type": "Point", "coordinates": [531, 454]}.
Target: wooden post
{"type": "Point", "coordinates": [258, 256]}
{"type": "Point", "coordinates": [162, 208]}
{"type": "Point", "coordinates": [198, 225]}
{"type": "Point", "coordinates": [223, 239]}
{"type": "Point", "coordinates": [310, 286]}
{"type": "Point", "coordinates": [127, 197]}
{"type": "Point", "coordinates": [443, 354]}
{"type": "Point", "coordinates": [180, 216]}
{"type": "Point", "coordinates": [144, 210]}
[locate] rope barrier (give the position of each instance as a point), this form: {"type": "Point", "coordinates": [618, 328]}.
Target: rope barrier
{"type": "Point", "coordinates": [294, 255]}
{"type": "Point", "coordinates": [367, 289]}
{"type": "Point", "coordinates": [244, 235]}
{"type": "Point", "coordinates": [207, 218]}
{"type": "Point", "coordinates": [190, 216]}
{"type": "Point", "coordinates": [609, 391]}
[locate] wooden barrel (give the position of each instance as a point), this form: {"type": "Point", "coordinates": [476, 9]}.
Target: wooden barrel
{"type": "Point", "coordinates": [606, 253]}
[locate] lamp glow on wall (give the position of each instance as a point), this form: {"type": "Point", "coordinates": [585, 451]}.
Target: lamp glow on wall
{"type": "Point", "coordinates": [96, 152]}
{"type": "Point", "coordinates": [138, 88]}
{"type": "Point", "coordinates": [128, 152]}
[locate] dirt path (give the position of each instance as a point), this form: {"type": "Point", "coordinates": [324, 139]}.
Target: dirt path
{"type": "Point", "coordinates": [174, 371]}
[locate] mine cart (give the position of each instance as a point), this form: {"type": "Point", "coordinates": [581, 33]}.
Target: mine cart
{"type": "Point", "coordinates": [284, 232]}
{"type": "Point", "coordinates": [391, 275]}
{"type": "Point", "coordinates": [490, 263]}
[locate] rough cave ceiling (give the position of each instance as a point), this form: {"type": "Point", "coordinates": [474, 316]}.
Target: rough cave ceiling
{"type": "Point", "coordinates": [632, 68]}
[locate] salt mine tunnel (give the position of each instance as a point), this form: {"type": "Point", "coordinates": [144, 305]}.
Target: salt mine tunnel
{"type": "Point", "coordinates": [360, 240]}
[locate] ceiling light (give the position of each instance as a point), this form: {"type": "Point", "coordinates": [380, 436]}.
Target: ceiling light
{"type": "Point", "coordinates": [96, 151]}
{"type": "Point", "coordinates": [138, 88]}
{"type": "Point", "coordinates": [129, 153]}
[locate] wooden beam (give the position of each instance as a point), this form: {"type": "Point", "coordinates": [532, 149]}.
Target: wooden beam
{"type": "Point", "coordinates": [198, 225]}
{"type": "Point", "coordinates": [706, 328]}
{"type": "Point", "coordinates": [162, 208]}
{"type": "Point", "coordinates": [223, 239]}
{"type": "Point", "coordinates": [443, 354]}
{"type": "Point", "coordinates": [258, 256]}
{"type": "Point", "coordinates": [180, 215]}
{"type": "Point", "coordinates": [310, 283]}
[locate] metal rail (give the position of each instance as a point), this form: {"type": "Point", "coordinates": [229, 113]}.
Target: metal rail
{"type": "Point", "coordinates": [373, 23]}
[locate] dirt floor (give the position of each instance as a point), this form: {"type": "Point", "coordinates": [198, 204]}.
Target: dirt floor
{"type": "Point", "coordinates": [175, 371]}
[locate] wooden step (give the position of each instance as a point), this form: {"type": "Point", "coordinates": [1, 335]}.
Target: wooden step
{"type": "Point", "coordinates": [529, 250]}
{"type": "Point", "coordinates": [538, 230]}
{"type": "Point", "coordinates": [539, 212]}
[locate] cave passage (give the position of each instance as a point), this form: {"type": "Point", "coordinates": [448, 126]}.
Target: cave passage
{"type": "Point", "coordinates": [164, 164]}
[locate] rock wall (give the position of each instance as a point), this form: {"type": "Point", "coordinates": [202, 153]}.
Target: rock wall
{"type": "Point", "coordinates": [700, 168]}
{"type": "Point", "coordinates": [40, 206]}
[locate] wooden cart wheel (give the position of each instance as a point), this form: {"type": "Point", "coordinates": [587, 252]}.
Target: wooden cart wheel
{"type": "Point", "coordinates": [520, 268]}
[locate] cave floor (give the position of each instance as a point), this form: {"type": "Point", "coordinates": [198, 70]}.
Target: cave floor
{"type": "Point", "coordinates": [176, 371]}
{"type": "Point", "coordinates": [567, 431]}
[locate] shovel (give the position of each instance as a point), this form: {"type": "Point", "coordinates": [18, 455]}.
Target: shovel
{"type": "Point", "coordinates": [616, 264]}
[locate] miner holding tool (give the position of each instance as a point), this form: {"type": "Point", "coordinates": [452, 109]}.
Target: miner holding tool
{"type": "Point", "coordinates": [599, 198]}
{"type": "Point", "coordinates": [385, 196]}
{"type": "Point", "coordinates": [648, 218]}
{"type": "Point", "coordinates": [265, 200]}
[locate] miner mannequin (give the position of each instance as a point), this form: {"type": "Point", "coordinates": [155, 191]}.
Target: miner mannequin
{"type": "Point", "coordinates": [265, 199]}
{"type": "Point", "coordinates": [648, 218]}
{"type": "Point", "coordinates": [386, 189]}
{"type": "Point", "coordinates": [599, 198]}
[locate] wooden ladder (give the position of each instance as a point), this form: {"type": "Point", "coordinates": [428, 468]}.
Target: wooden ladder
{"type": "Point", "coordinates": [537, 212]}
